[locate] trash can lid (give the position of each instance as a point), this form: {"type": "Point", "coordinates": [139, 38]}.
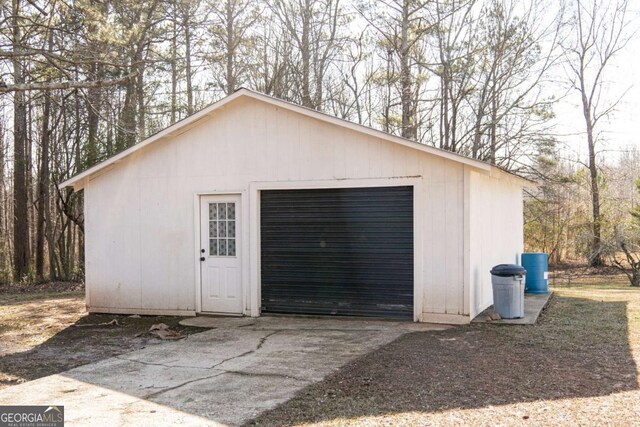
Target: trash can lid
{"type": "Point", "coordinates": [506, 270]}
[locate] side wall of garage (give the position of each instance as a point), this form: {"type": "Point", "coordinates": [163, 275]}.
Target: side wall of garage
{"type": "Point", "coordinates": [140, 235]}
{"type": "Point", "coordinates": [495, 232]}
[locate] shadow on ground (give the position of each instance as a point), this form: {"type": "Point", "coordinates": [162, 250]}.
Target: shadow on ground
{"type": "Point", "coordinates": [579, 348]}
{"type": "Point", "coordinates": [91, 338]}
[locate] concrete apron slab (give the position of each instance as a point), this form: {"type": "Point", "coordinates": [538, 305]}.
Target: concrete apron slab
{"type": "Point", "coordinates": [227, 375]}
{"type": "Point", "coordinates": [533, 306]}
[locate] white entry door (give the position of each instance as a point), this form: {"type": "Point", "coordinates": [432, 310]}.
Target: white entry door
{"type": "Point", "coordinates": [220, 254]}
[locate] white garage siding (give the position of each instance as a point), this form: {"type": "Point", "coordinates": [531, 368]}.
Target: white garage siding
{"type": "Point", "coordinates": [140, 238]}
{"type": "Point", "coordinates": [496, 233]}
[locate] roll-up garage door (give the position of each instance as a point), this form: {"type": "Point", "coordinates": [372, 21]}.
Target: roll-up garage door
{"type": "Point", "coordinates": [340, 251]}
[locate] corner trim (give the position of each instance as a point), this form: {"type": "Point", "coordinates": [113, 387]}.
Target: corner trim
{"type": "Point", "coordinates": [449, 319]}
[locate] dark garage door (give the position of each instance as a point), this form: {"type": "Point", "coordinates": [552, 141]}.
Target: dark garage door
{"type": "Point", "coordinates": [346, 251]}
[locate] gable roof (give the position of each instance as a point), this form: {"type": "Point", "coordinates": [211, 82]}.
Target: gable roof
{"type": "Point", "coordinates": [185, 124]}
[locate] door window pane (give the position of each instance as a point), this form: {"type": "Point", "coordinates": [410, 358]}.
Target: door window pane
{"type": "Point", "coordinates": [222, 229]}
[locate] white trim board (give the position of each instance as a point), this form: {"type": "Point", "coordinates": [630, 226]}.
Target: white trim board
{"type": "Point", "coordinates": [143, 311]}
{"type": "Point", "coordinates": [78, 181]}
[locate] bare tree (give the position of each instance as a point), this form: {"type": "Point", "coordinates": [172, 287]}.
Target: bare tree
{"type": "Point", "coordinates": [455, 54]}
{"type": "Point", "coordinates": [43, 189]}
{"type": "Point", "coordinates": [138, 25]}
{"type": "Point", "coordinates": [5, 229]}
{"type": "Point", "coordinates": [510, 109]}
{"type": "Point", "coordinates": [357, 76]}
{"type": "Point", "coordinates": [313, 27]}
{"type": "Point", "coordinates": [601, 32]}
{"type": "Point", "coordinates": [232, 40]}
{"type": "Point", "coordinates": [273, 56]}
{"type": "Point", "coordinates": [402, 26]}
{"type": "Point", "coordinates": [20, 195]}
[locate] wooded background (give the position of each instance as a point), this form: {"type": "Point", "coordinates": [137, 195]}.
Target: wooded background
{"type": "Point", "coordinates": [83, 80]}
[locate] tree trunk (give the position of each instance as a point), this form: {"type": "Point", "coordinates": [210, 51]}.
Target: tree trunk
{"type": "Point", "coordinates": [305, 52]}
{"type": "Point", "coordinates": [595, 258]}
{"type": "Point", "coordinates": [51, 244]}
{"type": "Point", "coordinates": [386, 126]}
{"type": "Point", "coordinates": [444, 92]}
{"type": "Point", "coordinates": [43, 189]}
{"type": "Point", "coordinates": [4, 247]}
{"type": "Point", "coordinates": [29, 178]}
{"type": "Point", "coordinates": [174, 64]}
{"type": "Point", "coordinates": [74, 199]}
{"type": "Point", "coordinates": [494, 126]}
{"type": "Point", "coordinates": [126, 130]}
{"type": "Point", "coordinates": [231, 49]}
{"type": "Point", "coordinates": [408, 125]}
{"type": "Point", "coordinates": [20, 202]}
{"type": "Point", "coordinates": [478, 128]}
{"type": "Point", "coordinates": [142, 111]}
{"type": "Point", "coordinates": [93, 118]}
{"type": "Point", "coordinates": [635, 277]}
{"type": "Point", "coordinates": [445, 130]}
{"type": "Point", "coordinates": [187, 42]}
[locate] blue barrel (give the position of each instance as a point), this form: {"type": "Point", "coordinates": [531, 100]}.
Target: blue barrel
{"type": "Point", "coordinates": [537, 266]}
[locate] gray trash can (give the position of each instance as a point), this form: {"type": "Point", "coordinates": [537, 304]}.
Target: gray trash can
{"type": "Point", "coordinates": [507, 281]}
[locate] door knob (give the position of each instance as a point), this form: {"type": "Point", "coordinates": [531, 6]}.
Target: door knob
{"type": "Point", "coordinates": [202, 250]}
{"type": "Point", "coordinates": [202, 258]}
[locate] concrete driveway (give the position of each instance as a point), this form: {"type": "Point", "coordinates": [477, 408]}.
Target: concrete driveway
{"type": "Point", "coordinates": [227, 375]}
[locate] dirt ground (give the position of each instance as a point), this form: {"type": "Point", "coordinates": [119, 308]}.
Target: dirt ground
{"type": "Point", "coordinates": [47, 331]}
{"type": "Point", "coordinates": [577, 366]}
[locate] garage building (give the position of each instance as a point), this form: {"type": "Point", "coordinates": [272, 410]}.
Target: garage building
{"type": "Point", "coordinates": [255, 205]}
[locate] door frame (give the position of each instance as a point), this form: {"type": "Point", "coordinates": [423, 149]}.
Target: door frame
{"type": "Point", "coordinates": [242, 216]}
{"type": "Point", "coordinates": [253, 226]}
